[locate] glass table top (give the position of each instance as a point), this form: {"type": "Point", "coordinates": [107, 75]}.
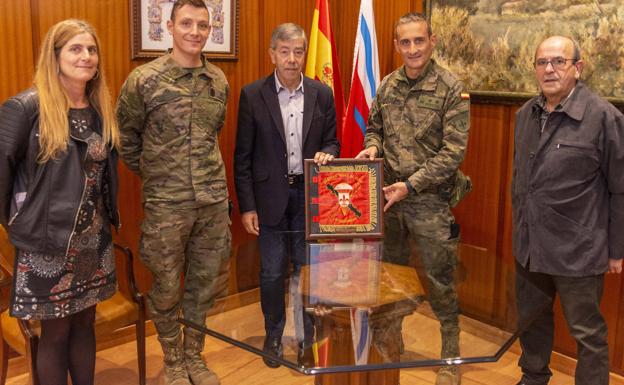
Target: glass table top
{"type": "Point", "coordinates": [367, 314]}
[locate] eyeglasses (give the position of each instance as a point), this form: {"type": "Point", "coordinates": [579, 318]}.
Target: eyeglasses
{"type": "Point", "coordinates": [557, 63]}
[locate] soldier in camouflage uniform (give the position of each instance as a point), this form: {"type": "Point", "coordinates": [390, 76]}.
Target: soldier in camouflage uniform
{"type": "Point", "coordinates": [419, 125]}
{"type": "Point", "coordinates": [170, 112]}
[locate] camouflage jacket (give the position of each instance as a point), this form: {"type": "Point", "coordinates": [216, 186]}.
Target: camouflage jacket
{"type": "Point", "coordinates": [420, 131]}
{"type": "Point", "coordinates": [170, 119]}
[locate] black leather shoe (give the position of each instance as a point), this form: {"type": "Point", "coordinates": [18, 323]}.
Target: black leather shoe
{"type": "Point", "coordinates": [273, 346]}
{"type": "Point", "coordinates": [305, 356]}
{"type": "Point", "coordinates": [526, 383]}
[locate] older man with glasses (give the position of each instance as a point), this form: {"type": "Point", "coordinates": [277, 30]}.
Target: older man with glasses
{"type": "Point", "coordinates": [568, 212]}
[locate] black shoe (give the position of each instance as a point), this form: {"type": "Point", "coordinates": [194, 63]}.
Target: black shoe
{"type": "Point", "coordinates": [273, 346]}
{"type": "Point", "coordinates": [305, 356]}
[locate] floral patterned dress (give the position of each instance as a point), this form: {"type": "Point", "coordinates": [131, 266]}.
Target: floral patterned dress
{"type": "Point", "coordinates": [56, 286]}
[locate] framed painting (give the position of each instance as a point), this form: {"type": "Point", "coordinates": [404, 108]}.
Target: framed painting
{"type": "Point", "coordinates": [344, 199]}
{"type": "Point", "coordinates": [342, 274]}
{"type": "Point", "coordinates": [490, 44]}
{"type": "Point", "coordinates": [151, 39]}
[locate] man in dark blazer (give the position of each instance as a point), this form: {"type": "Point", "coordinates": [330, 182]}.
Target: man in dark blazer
{"type": "Point", "coordinates": [282, 120]}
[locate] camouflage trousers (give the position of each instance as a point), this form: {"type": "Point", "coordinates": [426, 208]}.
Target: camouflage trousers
{"type": "Point", "coordinates": [193, 241]}
{"type": "Point", "coordinates": [428, 222]}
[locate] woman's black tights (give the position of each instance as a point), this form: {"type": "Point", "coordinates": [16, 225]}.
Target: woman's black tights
{"type": "Point", "coordinates": [67, 345]}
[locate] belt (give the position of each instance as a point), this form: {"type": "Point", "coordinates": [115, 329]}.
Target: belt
{"type": "Point", "coordinates": [295, 179]}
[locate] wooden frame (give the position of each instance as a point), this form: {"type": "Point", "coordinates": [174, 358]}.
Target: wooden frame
{"type": "Point", "coordinates": [150, 38]}
{"type": "Point", "coordinates": [344, 199]}
{"type": "Point", "coordinates": [490, 45]}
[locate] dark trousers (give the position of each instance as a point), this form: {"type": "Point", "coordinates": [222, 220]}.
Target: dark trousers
{"type": "Point", "coordinates": [580, 300]}
{"type": "Point", "coordinates": [279, 245]}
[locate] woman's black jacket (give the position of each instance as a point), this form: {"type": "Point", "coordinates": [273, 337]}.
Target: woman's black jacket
{"type": "Point", "coordinates": [39, 202]}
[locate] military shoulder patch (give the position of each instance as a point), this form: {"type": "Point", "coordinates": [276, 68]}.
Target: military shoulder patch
{"type": "Point", "coordinates": [460, 121]}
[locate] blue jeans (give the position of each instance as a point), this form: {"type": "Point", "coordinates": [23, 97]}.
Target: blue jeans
{"type": "Point", "coordinates": [279, 245]}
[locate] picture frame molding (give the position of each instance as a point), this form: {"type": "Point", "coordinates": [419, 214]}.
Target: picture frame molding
{"type": "Point", "coordinates": [137, 52]}
{"type": "Point", "coordinates": [312, 233]}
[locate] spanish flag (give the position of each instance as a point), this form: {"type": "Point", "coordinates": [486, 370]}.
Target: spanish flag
{"type": "Point", "coordinates": [322, 63]}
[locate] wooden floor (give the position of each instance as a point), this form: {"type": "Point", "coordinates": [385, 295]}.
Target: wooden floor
{"type": "Point", "coordinates": [117, 365]}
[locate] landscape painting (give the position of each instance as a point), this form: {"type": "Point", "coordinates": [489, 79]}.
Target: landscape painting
{"type": "Point", "coordinates": [490, 44]}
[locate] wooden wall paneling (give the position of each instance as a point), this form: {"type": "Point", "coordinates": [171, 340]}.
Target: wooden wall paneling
{"type": "Point", "coordinates": [245, 70]}
{"type": "Point", "coordinates": [17, 59]}
{"type": "Point", "coordinates": [48, 13]}
{"type": "Point", "coordinates": [505, 285]}
{"type": "Point", "coordinates": [611, 309]}
{"type": "Point", "coordinates": [618, 345]}
{"type": "Point", "coordinates": [478, 215]}
{"type": "Point", "coordinates": [386, 14]}
{"type": "Point", "coordinates": [111, 21]}
{"type": "Point", "coordinates": [505, 249]}
{"type": "Point", "coordinates": [119, 66]}
{"type": "Point", "coordinates": [417, 6]}
{"type": "Point", "coordinates": [276, 12]}
{"type": "Point", "coordinates": [238, 74]}
{"type": "Point", "coordinates": [115, 38]}
{"type": "Point", "coordinates": [344, 15]}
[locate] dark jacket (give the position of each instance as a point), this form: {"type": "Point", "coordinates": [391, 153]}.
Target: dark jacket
{"type": "Point", "coordinates": [568, 186]}
{"type": "Point", "coordinates": [260, 158]}
{"type": "Point", "coordinates": [43, 222]}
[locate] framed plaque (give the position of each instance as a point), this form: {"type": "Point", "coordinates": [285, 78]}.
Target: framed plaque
{"type": "Point", "coordinates": [151, 39]}
{"type": "Point", "coordinates": [344, 199]}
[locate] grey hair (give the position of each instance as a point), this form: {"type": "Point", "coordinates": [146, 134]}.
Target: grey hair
{"type": "Point", "coordinates": [577, 50]}
{"type": "Point", "coordinates": [287, 32]}
{"type": "Point", "coordinates": [411, 17]}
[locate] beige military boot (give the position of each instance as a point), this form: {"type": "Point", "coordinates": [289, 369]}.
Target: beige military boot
{"type": "Point", "coordinates": [195, 365]}
{"type": "Point", "coordinates": [450, 374]}
{"type": "Point", "coordinates": [175, 370]}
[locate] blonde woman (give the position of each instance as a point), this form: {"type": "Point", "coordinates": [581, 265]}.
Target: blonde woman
{"type": "Point", "coordinates": [58, 188]}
